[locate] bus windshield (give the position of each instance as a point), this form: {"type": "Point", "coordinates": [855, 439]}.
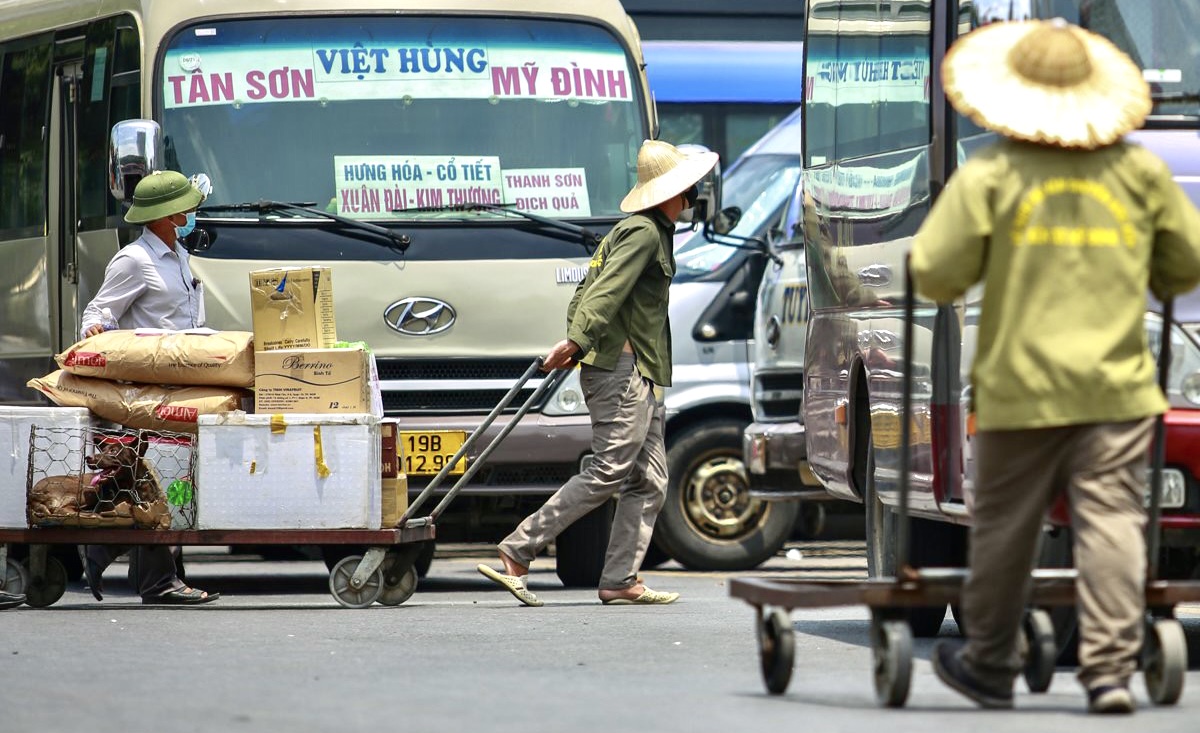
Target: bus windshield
{"type": "Point", "coordinates": [1159, 36]}
{"type": "Point", "coordinates": [368, 117]}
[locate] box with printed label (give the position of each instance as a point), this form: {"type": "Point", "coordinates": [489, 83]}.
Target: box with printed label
{"type": "Point", "coordinates": [288, 472]}
{"type": "Point", "coordinates": [312, 380]}
{"type": "Point", "coordinates": [292, 308]}
{"type": "Point", "coordinates": [15, 425]}
{"type": "Point", "coordinates": [395, 481]}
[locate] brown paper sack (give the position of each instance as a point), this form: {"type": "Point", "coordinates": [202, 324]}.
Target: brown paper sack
{"type": "Point", "coordinates": [223, 358]}
{"type": "Point", "coordinates": [147, 406]}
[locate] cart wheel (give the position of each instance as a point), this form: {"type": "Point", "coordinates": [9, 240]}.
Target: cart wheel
{"type": "Point", "coordinates": [394, 595]}
{"type": "Point", "coordinates": [16, 580]}
{"type": "Point", "coordinates": [776, 650]}
{"type": "Point", "coordinates": [1164, 660]}
{"type": "Point", "coordinates": [891, 644]}
{"type": "Point", "coordinates": [348, 595]}
{"type": "Point", "coordinates": [44, 590]}
{"type": "Point", "coordinates": [1041, 651]}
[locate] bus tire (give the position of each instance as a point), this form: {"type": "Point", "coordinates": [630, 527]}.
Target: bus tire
{"type": "Point", "coordinates": [580, 549]}
{"type": "Point", "coordinates": [709, 521]}
{"type": "Point", "coordinates": [881, 534]}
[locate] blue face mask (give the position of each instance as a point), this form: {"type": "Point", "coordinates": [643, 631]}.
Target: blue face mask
{"type": "Point", "coordinates": [186, 229]}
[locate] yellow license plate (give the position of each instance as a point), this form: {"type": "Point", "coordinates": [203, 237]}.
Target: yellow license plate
{"type": "Point", "coordinates": [425, 452]}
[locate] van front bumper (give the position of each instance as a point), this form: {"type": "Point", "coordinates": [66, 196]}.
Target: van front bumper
{"type": "Point", "coordinates": [769, 446]}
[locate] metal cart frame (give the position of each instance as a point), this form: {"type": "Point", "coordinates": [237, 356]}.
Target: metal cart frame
{"type": "Point", "coordinates": [385, 573]}
{"type": "Point", "coordinates": [1164, 651]}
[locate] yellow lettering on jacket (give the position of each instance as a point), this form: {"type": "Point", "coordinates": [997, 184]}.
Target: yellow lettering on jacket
{"type": "Point", "coordinates": [1025, 234]}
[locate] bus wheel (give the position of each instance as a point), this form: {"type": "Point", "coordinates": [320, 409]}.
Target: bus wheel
{"type": "Point", "coordinates": [709, 520]}
{"type": "Point", "coordinates": [881, 533]}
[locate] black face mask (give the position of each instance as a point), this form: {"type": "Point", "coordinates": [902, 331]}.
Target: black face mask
{"type": "Point", "coordinates": [691, 195]}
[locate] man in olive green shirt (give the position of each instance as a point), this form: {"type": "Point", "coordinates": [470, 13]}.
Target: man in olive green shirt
{"type": "Point", "coordinates": [1066, 226]}
{"type": "Point", "coordinates": [618, 330]}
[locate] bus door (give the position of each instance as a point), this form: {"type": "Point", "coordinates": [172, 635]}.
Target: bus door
{"type": "Point", "coordinates": [63, 177]}
{"type": "Point", "coordinates": [96, 81]}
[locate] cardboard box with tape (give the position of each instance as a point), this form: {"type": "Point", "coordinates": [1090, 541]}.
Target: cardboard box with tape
{"type": "Point", "coordinates": [292, 308]}
{"type": "Point", "coordinates": [312, 381]}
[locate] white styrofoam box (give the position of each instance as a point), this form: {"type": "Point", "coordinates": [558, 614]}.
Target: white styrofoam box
{"type": "Point", "coordinates": [15, 424]}
{"type": "Point", "coordinates": [172, 458]}
{"type": "Point", "coordinates": [250, 477]}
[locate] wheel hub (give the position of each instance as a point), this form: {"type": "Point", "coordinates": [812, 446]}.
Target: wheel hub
{"type": "Point", "coordinates": [717, 498]}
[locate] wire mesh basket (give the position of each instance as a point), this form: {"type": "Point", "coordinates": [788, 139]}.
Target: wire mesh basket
{"type": "Point", "coordinates": [104, 477]}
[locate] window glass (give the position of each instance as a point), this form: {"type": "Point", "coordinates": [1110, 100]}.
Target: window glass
{"type": "Point", "coordinates": [882, 76]}
{"type": "Point", "coordinates": [25, 91]}
{"type": "Point", "coordinates": [679, 127]}
{"type": "Point", "coordinates": [92, 125]}
{"type": "Point", "coordinates": [371, 116]}
{"type": "Point", "coordinates": [743, 129]}
{"type": "Point", "coordinates": [820, 82]}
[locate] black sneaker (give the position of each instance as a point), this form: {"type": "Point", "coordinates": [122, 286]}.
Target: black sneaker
{"type": "Point", "coordinates": [951, 670]}
{"type": "Point", "coordinates": [1110, 700]}
{"type": "Point", "coordinates": [10, 600]}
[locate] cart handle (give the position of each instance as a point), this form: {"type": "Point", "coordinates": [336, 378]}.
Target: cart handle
{"type": "Point", "coordinates": [479, 430]}
{"type": "Point", "coordinates": [1159, 456]}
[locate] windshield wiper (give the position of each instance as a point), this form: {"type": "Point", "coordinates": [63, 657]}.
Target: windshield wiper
{"type": "Point", "coordinates": [587, 237]}
{"type": "Point", "coordinates": [1175, 97]}
{"type": "Point", "coordinates": [401, 241]}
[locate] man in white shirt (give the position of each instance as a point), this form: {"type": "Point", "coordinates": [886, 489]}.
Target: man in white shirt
{"type": "Point", "coordinates": [148, 284]}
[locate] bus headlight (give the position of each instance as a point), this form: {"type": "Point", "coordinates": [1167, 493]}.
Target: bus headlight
{"type": "Point", "coordinates": [567, 398]}
{"type": "Point", "coordinates": [1190, 388]}
{"type": "Point", "coordinates": [1174, 488]}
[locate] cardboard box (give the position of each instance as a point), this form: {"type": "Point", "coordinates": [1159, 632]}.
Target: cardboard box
{"type": "Point", "coordinates": [292, 308]}
{"type": "Point", "coordinates": [15, 425]}
{"type": "Point", "coordinates": [390, 448]}
{"type": "Point", "coordinates": [395, 500]}
{"type": "Point", "coordinates": [289, 472]}
{"type": "Point", "coordinates": [312, 381]}
{"type": "Point", "coordinates": [394, 481]}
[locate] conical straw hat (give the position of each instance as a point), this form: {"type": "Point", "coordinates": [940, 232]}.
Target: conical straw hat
{"type": "Point", "coordinates": [1047, 82]}
{"type": "Point", "coordinates": [663, 172]}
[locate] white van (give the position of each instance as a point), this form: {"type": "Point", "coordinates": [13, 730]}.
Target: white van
{"type": "Point", "coordinates": [713, 518]}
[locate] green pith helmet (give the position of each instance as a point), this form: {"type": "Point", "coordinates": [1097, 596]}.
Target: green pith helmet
{"type": "Point", "coordinates": [161, 194]}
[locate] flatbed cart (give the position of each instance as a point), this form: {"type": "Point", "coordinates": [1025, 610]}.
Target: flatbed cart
{"type": "Point", "coordinates": [1164, 652]}
{"type": "Point", "coordinates": [385, 573]}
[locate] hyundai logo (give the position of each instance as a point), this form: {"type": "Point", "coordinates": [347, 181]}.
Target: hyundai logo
{"type": "Point", "coordinates": [419, 316]}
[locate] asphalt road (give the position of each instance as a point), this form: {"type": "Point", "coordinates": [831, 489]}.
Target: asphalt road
{"type": "Point", "coordinates": [276, 653]}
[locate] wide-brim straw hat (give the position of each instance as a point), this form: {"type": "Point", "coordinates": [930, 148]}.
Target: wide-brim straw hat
{"type": "Point", "coordinates": [161, 194]}
{"type": "Point", "coordinates": [1046, 81]}
{"type": "Point", "coordinates": [664, 171]}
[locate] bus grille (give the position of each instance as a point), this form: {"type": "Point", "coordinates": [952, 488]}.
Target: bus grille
{"type": "Point", "coordinates": [458, 397]}
{"type": "Point", "coordinates": [779, 395]}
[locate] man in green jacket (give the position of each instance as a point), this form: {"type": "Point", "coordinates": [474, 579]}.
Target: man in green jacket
{"type": "Point", "coordinates": [1066, 226]}
{"type": "Point", "coordinates": [617, 328]}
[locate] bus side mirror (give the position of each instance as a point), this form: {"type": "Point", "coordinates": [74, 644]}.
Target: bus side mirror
{"type": "Point", "coordinates": [134, 150]}
{"type": "Point", "coordinates": [724, 222]}
{"type": "Point", "coordinates": [708, 200]}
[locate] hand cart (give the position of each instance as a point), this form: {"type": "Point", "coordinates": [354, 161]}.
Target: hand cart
{"type": "Point", "coordinates": [1164, 652]}
{"type": "Point", "coordinates": [385, 572]}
